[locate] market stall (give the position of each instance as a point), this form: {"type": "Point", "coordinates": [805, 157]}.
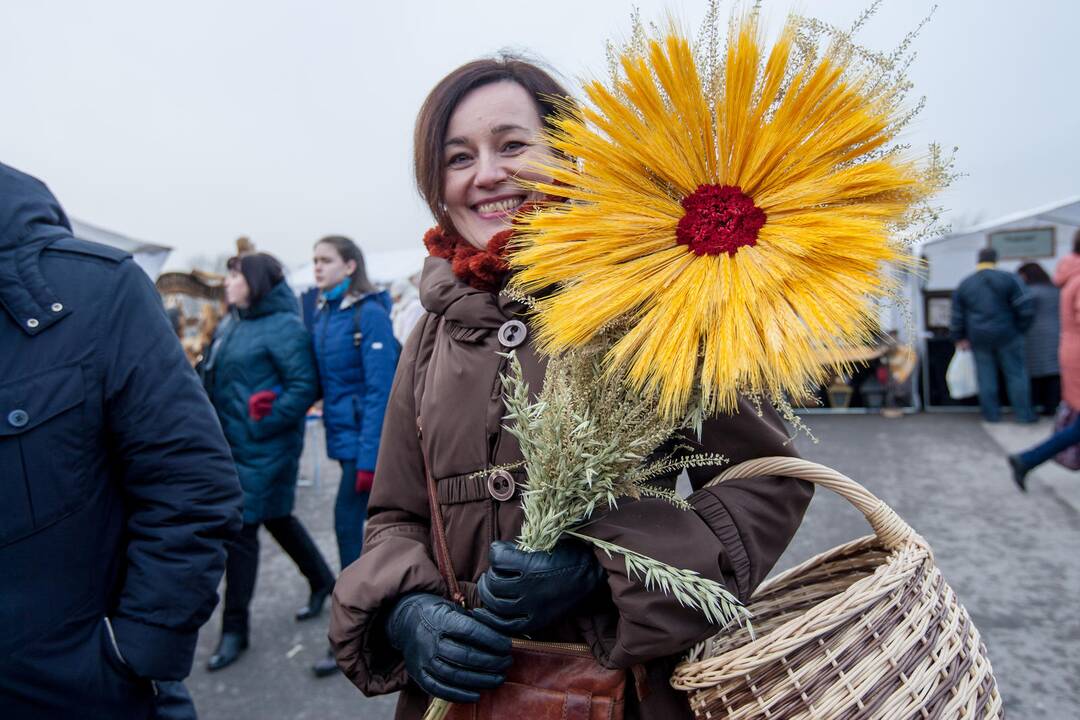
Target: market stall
{"type": "Point", "coordinates": [1043, 235]}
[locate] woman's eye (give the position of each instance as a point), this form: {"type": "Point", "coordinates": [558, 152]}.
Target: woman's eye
{"type": "Point", "coordinates": [459, 159]}
{"type": "Point", "coordinates": [514, 146]}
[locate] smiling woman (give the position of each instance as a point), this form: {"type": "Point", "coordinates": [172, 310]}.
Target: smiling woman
{"type": "Point", "coordinates": [440, 588]}
{"type": "Point", "coordinates": [492, 141]}
{"type": "Point", "coordinates": [476, 132]}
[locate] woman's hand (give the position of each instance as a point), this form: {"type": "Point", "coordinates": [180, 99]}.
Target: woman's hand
{"type": "Point", "coordinates": [364, 480]}
{"type": "Point", "coordinates": [526, 591]}
{"type": "Point", "coordinates": [447, 652]}
{"type": "Point", "coordinates": [260, 404]}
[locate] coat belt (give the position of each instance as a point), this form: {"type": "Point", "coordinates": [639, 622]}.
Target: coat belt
{"type": "Point", "coordinates": [472, 487]}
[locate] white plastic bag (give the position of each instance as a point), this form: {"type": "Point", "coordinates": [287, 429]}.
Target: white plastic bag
{"type": "Point", "coordinates": [960, 377]}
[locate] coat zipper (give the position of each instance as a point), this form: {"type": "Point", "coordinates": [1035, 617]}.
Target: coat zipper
{"type": "Point", "coordinates": [558, 647]}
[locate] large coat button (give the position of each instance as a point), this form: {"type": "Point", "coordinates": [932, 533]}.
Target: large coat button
{"type": "Point", "coordinates": [512, 333]}
{"type": "Point", "coordinates": [500, 485]}
{"type": "Point", "coordinates": [18, 418]}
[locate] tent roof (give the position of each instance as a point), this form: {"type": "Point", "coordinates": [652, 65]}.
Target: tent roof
{"type": "Point", "coordinates": [93, 233]}
{"type": "Point", "coordinates": [1062, 212]}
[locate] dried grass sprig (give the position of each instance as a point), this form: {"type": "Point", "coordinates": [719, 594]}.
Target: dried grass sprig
{"type": "Point", "coordinates": [693, 591]}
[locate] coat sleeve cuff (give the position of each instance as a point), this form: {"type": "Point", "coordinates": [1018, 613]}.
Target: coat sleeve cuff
{"type": "Point", "coordinates": [154, 652]}
{"type": "Point", "coordinates": [364, 595]}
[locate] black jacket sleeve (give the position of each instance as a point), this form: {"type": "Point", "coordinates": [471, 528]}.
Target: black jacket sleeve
{"type": "Point", "coordinates": [958, 329]}
{"type": "Point", "coordinates": [179, 483]}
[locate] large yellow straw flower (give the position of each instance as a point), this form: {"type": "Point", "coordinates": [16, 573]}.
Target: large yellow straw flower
{"type": "Point", "coordinates": [734, 227]}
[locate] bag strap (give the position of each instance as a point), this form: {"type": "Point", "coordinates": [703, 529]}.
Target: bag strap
{"type": "Point", "coordinates": [442, 547]}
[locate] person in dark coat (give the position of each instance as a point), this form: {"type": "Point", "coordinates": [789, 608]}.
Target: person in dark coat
{"type": "Point", "coordinates": [991, 311]}
{"type": "Point", "coordinates": [117, 491]}
{"type": "Point", "coordinates": [357, 356]}
{"type": "Point", "coordinates": [260, 375]}
{"type": "Point", "coordinates": [1042, 338]}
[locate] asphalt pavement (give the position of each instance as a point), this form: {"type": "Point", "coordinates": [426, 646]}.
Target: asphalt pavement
{"type": "Point", "coordinates": [1013, 559]}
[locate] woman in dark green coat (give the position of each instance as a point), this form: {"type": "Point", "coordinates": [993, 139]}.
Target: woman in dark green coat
{"type": "Point", "coordinates": [261, 378]}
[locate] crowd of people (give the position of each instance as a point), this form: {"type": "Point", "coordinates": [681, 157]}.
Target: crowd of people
{"type": "Point", "coordinates": [148, 480]}
{"type": "Point", "coordinates": [262, 372]}
{"type": "Point", "coordinates": [145, 481]}
{"type": "Point", "coordinates": [1025, 327]}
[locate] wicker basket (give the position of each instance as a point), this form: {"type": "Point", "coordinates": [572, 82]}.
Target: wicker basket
{"type": "Point", "coordinates": [869, 629]}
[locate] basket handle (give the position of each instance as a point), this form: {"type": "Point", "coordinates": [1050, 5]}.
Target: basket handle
{"type": "Point", "coordinates": [889, 527]}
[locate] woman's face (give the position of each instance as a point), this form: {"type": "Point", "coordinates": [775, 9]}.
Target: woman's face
{"type": "Point", "coordinates": [492, 137]}
{"type": "Point", "coordinates": [237, 291]}
{"type": "Point", "coordinates": [330, 267]}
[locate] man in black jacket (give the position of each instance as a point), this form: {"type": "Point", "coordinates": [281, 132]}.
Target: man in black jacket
{"type": "Point", "coordinates": [117, 490]}
{"type": "Point", "coordinates": [991, 310]}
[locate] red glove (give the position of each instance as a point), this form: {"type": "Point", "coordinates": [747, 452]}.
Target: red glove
{"type": "Point", "coordinates": [260, 404]}
{"type": "Point", "coordinates": [364, 480]}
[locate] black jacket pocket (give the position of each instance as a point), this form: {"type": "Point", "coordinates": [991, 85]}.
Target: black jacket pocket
{"type": "Point", "coordinates": [42, 449]}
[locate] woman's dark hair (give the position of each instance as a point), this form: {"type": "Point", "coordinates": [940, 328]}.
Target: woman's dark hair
{"type": "Point", "coordinates": [1033, 274]}
{"type": "Point", "coordinates": [261, 272]}
{"type": "Point", "coordinates": [348, 250]}
{"type": "Point", "coordinates": [434, 117]}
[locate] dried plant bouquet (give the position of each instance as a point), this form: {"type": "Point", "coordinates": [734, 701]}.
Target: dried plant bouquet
{"type": "Point", "coordinates": [587, 443]}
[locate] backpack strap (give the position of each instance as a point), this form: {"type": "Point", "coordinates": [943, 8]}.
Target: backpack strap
{"type": "Point", "coordinates": [357, 336]}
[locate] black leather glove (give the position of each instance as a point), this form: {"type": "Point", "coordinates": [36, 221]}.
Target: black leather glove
{"type": "Point", "coordinates": [524, 591]}
{"type": "Point", "coordinates": [448, 653]}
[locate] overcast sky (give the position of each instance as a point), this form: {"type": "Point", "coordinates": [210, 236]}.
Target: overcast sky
{"type": "Point", "coordinates": [190, 123]}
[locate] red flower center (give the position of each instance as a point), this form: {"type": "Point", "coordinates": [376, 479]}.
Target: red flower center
{"type": "Point", "coordinates": [719, 219]}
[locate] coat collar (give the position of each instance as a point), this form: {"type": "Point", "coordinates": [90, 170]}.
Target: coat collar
{"type": "Point", "coordinates": [24, 292]}
{"type": "Point", "coordinates": [30, 220]}
{"type": "Point", "coordinates": [350, 299]}
{"type": "Point", "coordinates": [442, 293]}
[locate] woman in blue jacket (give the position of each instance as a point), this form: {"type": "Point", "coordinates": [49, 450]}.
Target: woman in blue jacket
{"type": "Point", "coordinates": [357, 356]}
{"type": "Point", "coordinates": [260, 375]}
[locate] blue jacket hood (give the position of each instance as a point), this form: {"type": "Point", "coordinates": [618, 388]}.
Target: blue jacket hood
{"type": "Point", "coordinates": [383, 298]}
{"type": "Point", "coordinates": [28, 211]}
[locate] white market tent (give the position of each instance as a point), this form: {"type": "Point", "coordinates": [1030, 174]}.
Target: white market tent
{"type": "Point", "coordinates": [1043, 234]}
{"type": "Point", "coordinates": [148, 256]}
{"type": "Point", "coordinates": [383, 267]}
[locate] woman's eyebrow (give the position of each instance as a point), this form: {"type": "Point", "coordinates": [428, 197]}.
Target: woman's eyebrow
{"type": "Point", "coordinates": [496, 130]}
{"type": "Point", "coordinates": [506, 128]}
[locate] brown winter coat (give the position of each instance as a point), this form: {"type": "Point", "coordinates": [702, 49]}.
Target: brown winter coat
{"type": "Point", "coordinates": [448, 378]}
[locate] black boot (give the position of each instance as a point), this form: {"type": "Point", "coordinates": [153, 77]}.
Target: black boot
{"type": "Point", "coordinates": [1019, 472]}
{"type": "Point", "coordinates": [315, 603]}
{"type": "Point", "coordinates": [299, 545]}
{"type": "Point", "coordinates": [326, 666]}
{"type": "Point", "coordinates": [229, 650]}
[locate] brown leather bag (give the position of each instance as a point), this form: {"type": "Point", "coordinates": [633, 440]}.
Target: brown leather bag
{"type": "Point", "coordinates": [547, 681]}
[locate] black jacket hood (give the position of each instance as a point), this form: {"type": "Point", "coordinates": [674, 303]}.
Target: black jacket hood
{"type": "Point", "coordinates": [30, 220]}
{"type": "Point", "coordinates": [28, 211]}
